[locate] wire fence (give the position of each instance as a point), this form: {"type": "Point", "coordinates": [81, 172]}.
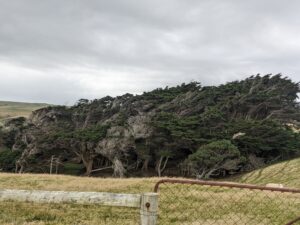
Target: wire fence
{"type": "Point", "coordinates": [180, 202]}
{"type": "Point", "coordinates": [203, 203]}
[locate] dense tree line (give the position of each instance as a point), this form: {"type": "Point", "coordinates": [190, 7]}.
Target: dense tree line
{"type": "Point", "coordinates": [186, 130]}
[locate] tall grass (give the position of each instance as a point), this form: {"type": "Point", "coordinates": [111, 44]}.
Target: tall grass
{"type": "Point", "coordinates": [180, 205]}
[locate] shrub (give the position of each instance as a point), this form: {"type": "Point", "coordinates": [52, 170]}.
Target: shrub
{"type": "Point", "coordinates": [8, 159]}
{"type": "Point", "coordinates": [73, 168]}
{"type": "Point", "coordinates": [215, 158]}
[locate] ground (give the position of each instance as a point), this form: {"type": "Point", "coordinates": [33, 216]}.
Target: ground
{"type": "Point", "coordinates": [16, 109]}
{"type": "Point", "coordinates": [287, 173]}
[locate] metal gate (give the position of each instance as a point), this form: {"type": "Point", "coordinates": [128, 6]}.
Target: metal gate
{"type": "Point", "coordinates": [196, 202]}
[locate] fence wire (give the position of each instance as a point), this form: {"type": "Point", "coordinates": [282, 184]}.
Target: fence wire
{"type": "Point", "coordinates": [28, 213]}
{"type": "Point", "coordinates": [208, 203]}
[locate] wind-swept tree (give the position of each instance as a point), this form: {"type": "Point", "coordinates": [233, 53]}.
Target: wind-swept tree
{"type": "Point", "coordinates": [215, 158]}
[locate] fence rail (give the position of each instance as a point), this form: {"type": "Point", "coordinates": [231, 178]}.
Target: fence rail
{"type": "Point", "coordinates": [200, 202]}
{"type": "Point", "coordinates": [147, 202]}
{"type": "Point", "coordinates": [225, 184]}
{"type": "Point", "coordinates": [177, 202]}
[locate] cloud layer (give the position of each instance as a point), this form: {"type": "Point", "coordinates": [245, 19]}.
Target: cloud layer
{"type": "Point", "coordinates": [59, 51]}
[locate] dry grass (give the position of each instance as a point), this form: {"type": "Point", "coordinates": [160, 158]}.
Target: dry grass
{"type": "Point", "coordinates": [30, 213]}
{"type": "Point", "coordinates": [16, 109]}
{"type": "Point", "coordinates": [213, 205]}
{"type": "Point", "coordinates": [74, 183]}
{"type": "Point", "coordinates": [286, 173]}
{"type": "Point", "coordinates": [216, 205]}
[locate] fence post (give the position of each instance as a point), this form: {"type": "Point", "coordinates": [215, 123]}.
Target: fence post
{"type": "Point", "coordinates": [149, 208]}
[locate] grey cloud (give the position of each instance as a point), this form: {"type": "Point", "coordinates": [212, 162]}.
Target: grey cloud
{"type": "Point", "coordinates": [80, 48]}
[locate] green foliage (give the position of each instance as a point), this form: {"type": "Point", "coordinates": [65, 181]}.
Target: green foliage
{"type": "Point", "coordinates": [190, 123]}
{"type": "Point", "coordinates": [266, 138]}
{"type": "Point", "coordinates": [142, 148]}
{"type": "Point", "coordinates": [32, 159]}
{"type": "Point", "coordinates": [259, 107]}
{"type": "Point", "coordinates": [17, 122]}
{"type": "Point", "coordinates": [215, 153]}
{"type": "Point", "coordinates": [73, 168]}
{"type": "Point", "coordinates": [121, 119]}
{"type": "Point", "coordinates": [215, 157]}
{"type": "Point", "coordinates": [177, 127]}
{"type": "Point", "coordinates": [168, 94]}
{"type": "Point", "coordinates": [8, 137]}
{"type": "Point", "coordinates": [82, 102]}
{"type": "Point", "coordinates": [8, 159]}
{"type": "Point", "coordinates": [90, 134]}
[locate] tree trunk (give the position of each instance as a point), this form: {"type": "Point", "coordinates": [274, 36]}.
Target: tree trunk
{"type": "Point", "coordinates": [201, 174]}
{"type": "Point", "coordinates": [119, 169]}
{"type": "Point", "coordinates": [88, 163]}
{"type": "Point", "coordinates": [209, 173]}
{"type": "Point", "coordinates": [89, 167]}
{"type": "Point", "coordinates": [21, 169]}
{"type": "Point", "coordinates": [165, 164]}
{"type": "Point", "coordinates": [87, 156]}
{"type": "Point", "coordinates": [20, 164]}
{"type": "Point", "coordinates": [145, 164]}
{"type": "Point", "coordinates": [138, 162]}
{"type": "Point", "coordinates": [158, 165]}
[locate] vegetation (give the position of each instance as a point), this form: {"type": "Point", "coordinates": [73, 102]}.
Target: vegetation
{"type": "Point", "coordinates": [8, 159]}
{"type": "Point", "coordinates": [167, 94]}
{"type": "Point", "coordinates": [286, 173]}
{"type": "Point", "coordinates": [17, 109]}
{"type": "Point", "coordinates": [216, 157]}
{"type": "Point", "coordinates": [72, 168]}
{"type": "Point", "coordinates": [59, 214]}
{"type": "Point", "coordinates": [253, 114]}
{"type": "Point", "coordinates": [187, 130]}
{"type": "Point", "coordinates": [90, 134]}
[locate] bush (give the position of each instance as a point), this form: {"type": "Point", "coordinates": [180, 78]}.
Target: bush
{"type": "Point", "coordinates": [73, 168]}
{"type": "Point", "coordinates": [93, 133]}
{"type": "Point", "coordinates": [215, 158]}
{"type": "Point", "coordinates": [267, 139]}
{"type": "Point", "coordinates": [8, 159]}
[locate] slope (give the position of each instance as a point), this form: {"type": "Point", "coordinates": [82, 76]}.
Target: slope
{"type": "Point", "coordinates": [15, 109]}
{"type": "Point", "coordinates": [286, 173]}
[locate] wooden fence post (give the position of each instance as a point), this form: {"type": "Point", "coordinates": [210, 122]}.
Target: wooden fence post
{"type": "Point", "coordinates": [149, 208]}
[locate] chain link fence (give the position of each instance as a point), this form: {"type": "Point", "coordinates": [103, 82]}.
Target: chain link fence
{"type": "Point", "coordinates": [203, 203]}
{"type": "Point", "coordinates": [180, 202]}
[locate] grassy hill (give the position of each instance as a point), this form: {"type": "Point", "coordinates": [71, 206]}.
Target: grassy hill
{"type": "Point", "coordinates": [287, 173]}
{"type": "Point", "coordinates": [15, 109]}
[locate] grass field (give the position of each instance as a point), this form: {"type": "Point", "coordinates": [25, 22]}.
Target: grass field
{"type": "Point", "coordinates": [15, 109]}
{"type": "Point", "coordinates": [29, 213]}
{"type": "Point", "coordinates": [286, 173]}
{"type": "Point", "coordinates": [220, 204]}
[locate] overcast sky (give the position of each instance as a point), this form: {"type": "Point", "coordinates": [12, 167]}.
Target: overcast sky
{"type": "Point", "coordinates": [58, 51]}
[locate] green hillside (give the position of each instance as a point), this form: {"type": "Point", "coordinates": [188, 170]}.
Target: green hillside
{"type": "Point", "coordinates": [286, 173]}
{"type": "Point", "coordinates": [15, 109]}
